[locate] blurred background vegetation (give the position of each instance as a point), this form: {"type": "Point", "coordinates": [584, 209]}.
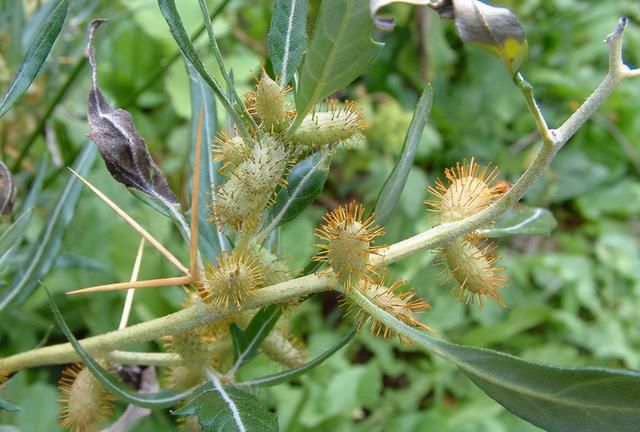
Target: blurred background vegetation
{"type": "Point", "coordinates": [574, 297]}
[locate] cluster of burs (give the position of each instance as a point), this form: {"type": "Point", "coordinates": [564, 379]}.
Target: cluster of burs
{"type": "Point", "coordinates": [255, 170]}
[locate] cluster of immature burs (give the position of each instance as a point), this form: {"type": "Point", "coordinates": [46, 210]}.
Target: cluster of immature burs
{"type": "Point", "coordinates": [255, 171]}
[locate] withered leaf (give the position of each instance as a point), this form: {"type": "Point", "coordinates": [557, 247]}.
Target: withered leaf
{"type": "Point", "coordinates": [494, 28]}
{"type": "Point", "coordinates": [7, 190]}
{"type": "Point", "coordinates": [121, 146]}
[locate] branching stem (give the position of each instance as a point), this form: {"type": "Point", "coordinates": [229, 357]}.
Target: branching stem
{"type": "Point", "coordinates": [200, 314]}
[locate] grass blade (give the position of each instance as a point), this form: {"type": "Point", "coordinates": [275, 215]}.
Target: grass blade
{"type": "Point", "coordinates": [45, 250]}
{"type": "Point", "coordinates": [36, 54]}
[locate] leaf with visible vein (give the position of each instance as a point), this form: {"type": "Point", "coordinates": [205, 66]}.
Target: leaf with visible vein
{"type": "Point", "coordinates": [37, 53]}
{"type": "Point", "coordinates": [557, 399]}
{"type": "Point", "coordinates": [341, 49]}
{"type": "Point", "coordinates": [287, 37]}
{"type": "Point", "coordinates": [522, 220]}
{"type": "Point", "coordinates": [228, 409]}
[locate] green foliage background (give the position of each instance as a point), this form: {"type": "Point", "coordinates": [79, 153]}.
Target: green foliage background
{"type": "Point", "coordinates": [574, 297]}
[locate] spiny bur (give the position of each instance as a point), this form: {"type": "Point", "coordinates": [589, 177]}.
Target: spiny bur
{"type": "Point", "coordinates": [401, 304]}
{"type": "Point", "coordinates": [252, 184]}
{"type": "Point", "coordinates": [348, 243]}
{"type": "Point", "coordinates": [232, 280]}
{"type": "Point", "coordinates": [85, 403]}
{"type": "Point", "coordinates": [468, 189]}
{"type": "Point", "coordinates": [270, 104]}
{"type": "Point", "coordinates": [340, 123]}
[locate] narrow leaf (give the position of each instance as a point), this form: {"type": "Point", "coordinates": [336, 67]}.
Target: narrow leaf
{"type": "Point", "coordinates": [37, 53]}
{"type": "Point", "coordinates": [228, 409]}
{"type": "Point", "coordinates": [211, 241]}
{"type": "Point", "coordinates": [8, 406]}
{"type": "Point", "coordinates": [557, 399]}
{"type": "Point", "coordinates": [45, 250]}
{"type": "Point", "coordinates": [161, 399]}
{"type": "Point", "coordinates": [121, 146]}
{"type": "Point", "coordinates": [13, 234]}
{"type": "Point", "coordinates": [393, 186]}
{"type": "Point", "coordinates": [7, 190]}
{"type": "Point", "coordinates": [341, 49]}
{"type": "Point", "coordinates": [278, 378]}
{"type": "Point", "coordinates": [231, 88]}
{"type": "Point", "coordinates": [304, 184]}
{"type": "Point", "coordinates": [494, 28]}
{"type": "Point", "coordinates": [287, 37]}
{"type": "Point", "coordinates": [522, 220]}
{"type": "Point", "coordinates": [246, 343]}
{"type": "Point", "coordinates": [170, 13]}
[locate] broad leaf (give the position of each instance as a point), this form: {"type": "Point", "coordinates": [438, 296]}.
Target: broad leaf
{"type": "Point", "coordinates": [522, 220]}
{"type": "Point", "coordinates": [170, 13]}
{"type": "Point", "coordinates": [557, 399]}
{"type": "Point", "coordinates": [247, 342]}
{"type": "Point", "coordinates": [37, 53]}
{"type": "Point", "coordinates": [390, 192]}
{"type": "Point", "coordinates": [211, 241]}
{"type": "Point", "coordinates": [305, 182]}
{"type": "Point", "coordinates": [161, 399]}
{"type": "Point", "coordinates": [341, 49]}
{"type": "Point", "coordinates": [494, 28]}
{"type": "Point", "coordinates": [287, 37]}
{"type": "Point", "coordinates": [228, 409]}
{"type": "Point", "coordinates": [278, 378]}
{"type": "Point", "coordinates": [45, 250]}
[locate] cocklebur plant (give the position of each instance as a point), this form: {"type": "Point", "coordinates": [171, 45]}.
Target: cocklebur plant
{"type": "Point", "coordinates": [274, 159]}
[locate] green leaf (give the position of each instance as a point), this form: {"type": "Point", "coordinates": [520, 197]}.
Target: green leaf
{"type": "Point", "coordinates": [287, 37]}
{"type": "Point", "coordinates": [393, 186]}
{"type": "Point", "coordinates": [170, 13]}
{"type": "Point", "coordinates": [493, 28]}
{"type": "Point", "coordinates": [228, 409]}
{"type": "Point", "coordinates": [247, 342]}
{"type": "Point", "coordinates": [557, 399]}
{"type": "Point", "coordinates": [278, 378]}
{"type": "Point", "coordinates": [161, 399]}
{"type": "Point", "coordinates": [13, 234]}
{"type": "Point", "coordinates": [211, 241]}
{"type": "Point", "coordinates": [522, 220]}
{"type": "Point", "coordinates": [45, 250]}
{"type": "Point", "coordinates": [231, 88]}
{"type": "Point", "coordinates": [341, 49]}
{"type": "Point", "coordinates": [305, 182]}
{"type": "Point", "coordinates": [37, 53]}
